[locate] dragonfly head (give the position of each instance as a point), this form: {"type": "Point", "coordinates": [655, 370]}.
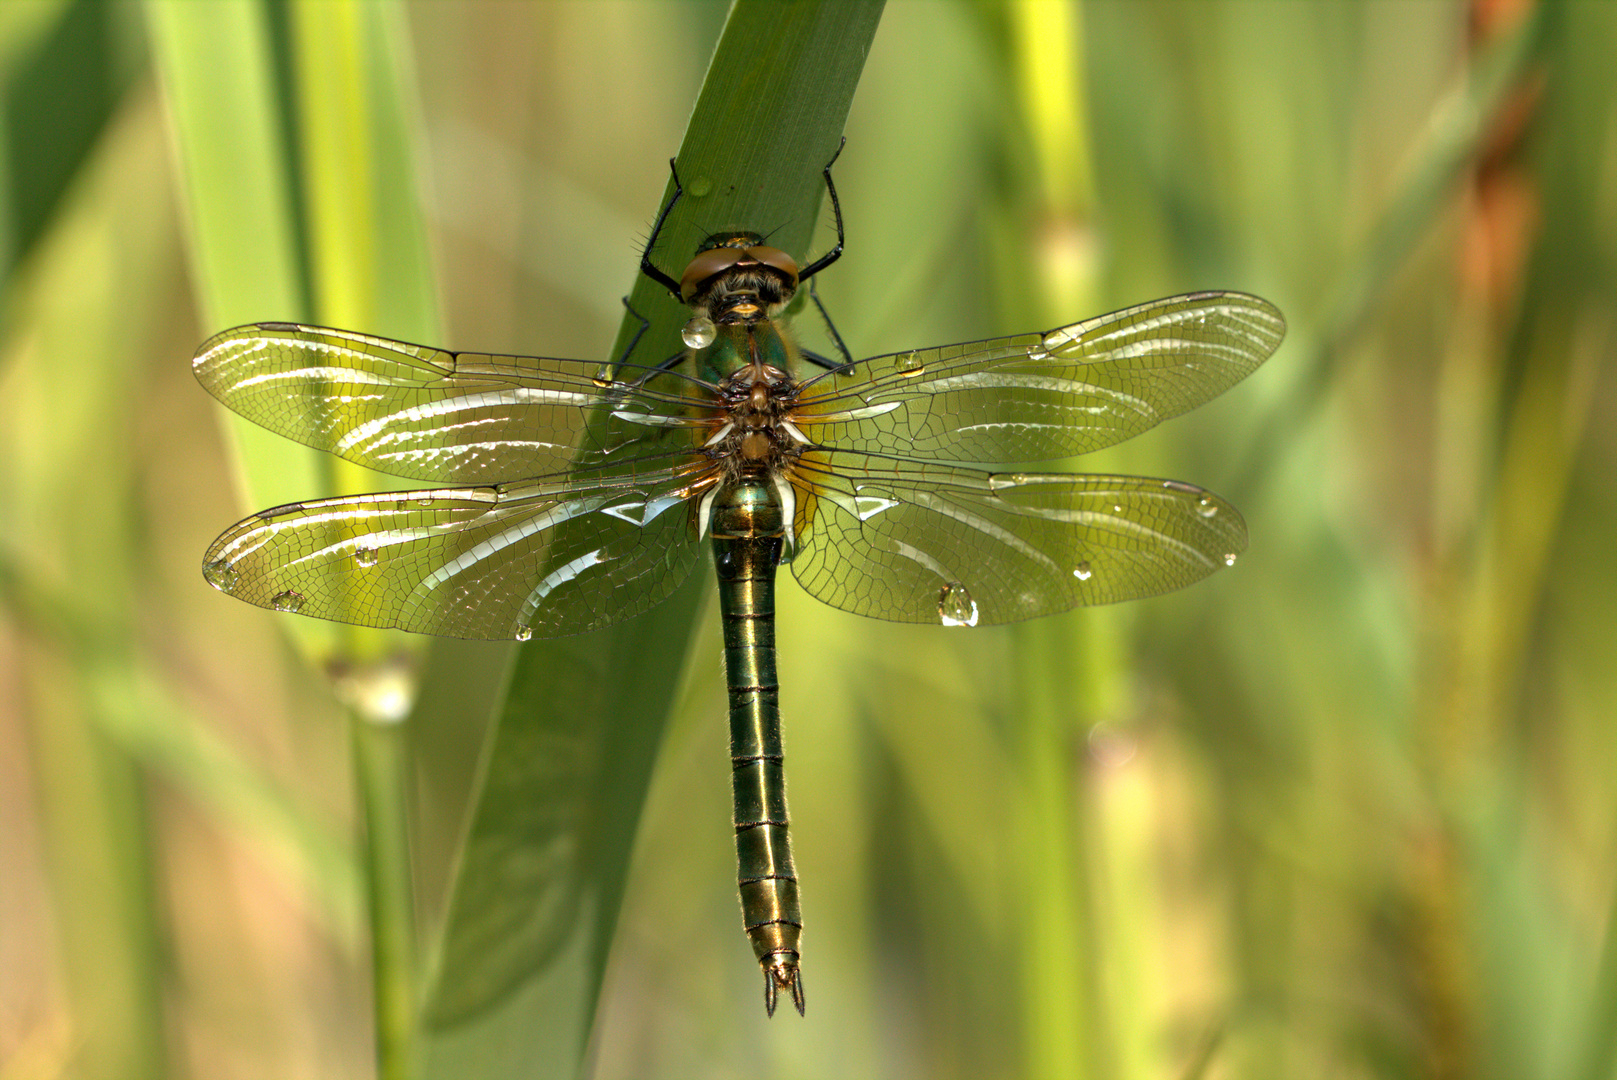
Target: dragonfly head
{"type": "Point", "coordinates": [736, 278]}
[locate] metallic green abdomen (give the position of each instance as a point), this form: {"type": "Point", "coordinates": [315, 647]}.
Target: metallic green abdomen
{"type": "Point", "coordinates": [748, 528]}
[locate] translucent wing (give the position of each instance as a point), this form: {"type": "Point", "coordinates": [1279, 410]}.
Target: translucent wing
{"type": "Point", "coordinates": [926, 543]}
{"type": "Point", "coordinates": [541, 558]}
{"type": "Point", "coordinates": [443, 417]}
{"type": "Point", "coordinates": [1039, 396]}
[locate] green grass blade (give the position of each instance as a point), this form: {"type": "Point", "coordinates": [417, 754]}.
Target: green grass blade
{"type": "Point", "coordinates": [62, 75]}
{"type": "Point", "coordinates": [83, 312]}
{"type": "Point", "coordinates": [283, 112]}
{"type": "Point", "coordinates": [544, 865]}
{"type": "Point", "coordinates": [367, 249]}
{"type": "Point", "coordinates": [225, 100]}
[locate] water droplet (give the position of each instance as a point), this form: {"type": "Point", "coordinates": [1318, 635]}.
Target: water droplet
{"type": "Point", "coordinates": [221, 575]}
{"type": "Point", "coordinates": [423, 503]}
{"type": "Point", "coordinates": [955, 606]}
{"type": "Point", "coordinates": [1229, 559]}
{"type": "Point", "coordinates": [1038, 353]}
{"type": "Point", "coordinates": [366, 556]}
{"type": "Point", "coordinates": [910, 365]}
{"type": "Point", "coordinates": [287, 601]}
{"type": "Point", "coordinates": [1117, 508]}
{"type": "Point", "coordinates": [524, 633]}
{"type": "Point", "coordinates": [1082, 571]}
{"type": "Point", "coordinates": [604, 380]}
{"type": "Point", "coordinates": [699, 332]}
{"type": "Point", "coordinates": [700, 188]}
{"type": "Point", "coordinates": [1206, 507]}
{"type": "Point", "coordinates": [1111, 747]}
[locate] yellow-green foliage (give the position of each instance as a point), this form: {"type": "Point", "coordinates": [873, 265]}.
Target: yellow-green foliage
{"type": "Point", "coordinates": [1345, 810]}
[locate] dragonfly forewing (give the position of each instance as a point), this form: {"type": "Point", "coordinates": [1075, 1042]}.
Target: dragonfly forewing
{"type": "Point", "coordinates": [928, 543]}
{"type": "Point", "coordinates": [1034, 397]}
{"type": "Point", "coordinates": [439, 416]}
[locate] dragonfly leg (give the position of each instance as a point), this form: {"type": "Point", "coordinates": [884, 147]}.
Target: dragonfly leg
{"type": "Point", "coordinates": [649, 268]}
{"type": "Point", "coordinates": [836, 208]}
{"type": "Point", "coordinates": [645, 324]}
{"type": "Point", "coordinates": [610, 371]}
{"type": "Point", "coordinates": [660, 368]}
{"type": "Point", "coordinates": [847, 357]}
{"type": "Point", "coordinates": [820, 361]}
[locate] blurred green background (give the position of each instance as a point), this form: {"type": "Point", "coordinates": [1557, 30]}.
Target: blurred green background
{"type": "Point", "coordinates": [1347, 810]}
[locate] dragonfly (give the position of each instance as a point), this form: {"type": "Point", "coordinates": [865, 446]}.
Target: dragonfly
{"type": "Point", "coordinates": [574, 494]}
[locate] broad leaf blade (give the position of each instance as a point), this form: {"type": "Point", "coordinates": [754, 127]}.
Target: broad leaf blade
{"type": "Point", "coordinates": [544, 866]}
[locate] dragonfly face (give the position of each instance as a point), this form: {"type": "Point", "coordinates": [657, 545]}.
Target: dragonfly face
{"type": "Point", "coordinates": [579, 495]}
{"type": "Point", "coordinates": [736, 278]}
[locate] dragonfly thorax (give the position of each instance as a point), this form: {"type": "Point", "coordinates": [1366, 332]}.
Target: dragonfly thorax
{"type": "Point", "coordinates": [756, 437]}
{"type": "Point", "coordinates": [736, 278]}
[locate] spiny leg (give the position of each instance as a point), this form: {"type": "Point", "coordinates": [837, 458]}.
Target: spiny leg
{"type": "Point", "coordinates": [645, 324]}
{"type": "Point", "coordinates": [820, 361]}
{"type": "Point", "coordinates": [649, 268]}
{"type": "Point", "coordinates": [847, 357]}
{"type": "Point", "coordinates": [836, 208]}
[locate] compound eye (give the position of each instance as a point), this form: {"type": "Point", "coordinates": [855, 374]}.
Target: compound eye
{"type": "Point", "coordinates": [704, 266]}
{"type": "Point", "coordinates": [776, 259]}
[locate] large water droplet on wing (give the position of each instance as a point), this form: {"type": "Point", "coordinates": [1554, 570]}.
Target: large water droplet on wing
{"type": "Point", "coordinates": [911, 365]}
{"type": "Point", "coordinates": [1206, 507]}
{"type": "Point", "coordinates": [221, 575]}
{"type": "Point", "coordinates": [955, 606]}
{"type": "Point", "coordinates": [524, 633]}
{"type": "Point", "coordinates": [1082, 572]}
{"type": "Point", "coordinates": [366, 556]}
{"type": "Point", "coordinates": [1038, 353]}
{"type": "Point", "coordinates": [1229, 559]}
{"type": "Point", "coordinates": [287, 601]}
{"type": "Point", "coordinates": [699, 332]}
